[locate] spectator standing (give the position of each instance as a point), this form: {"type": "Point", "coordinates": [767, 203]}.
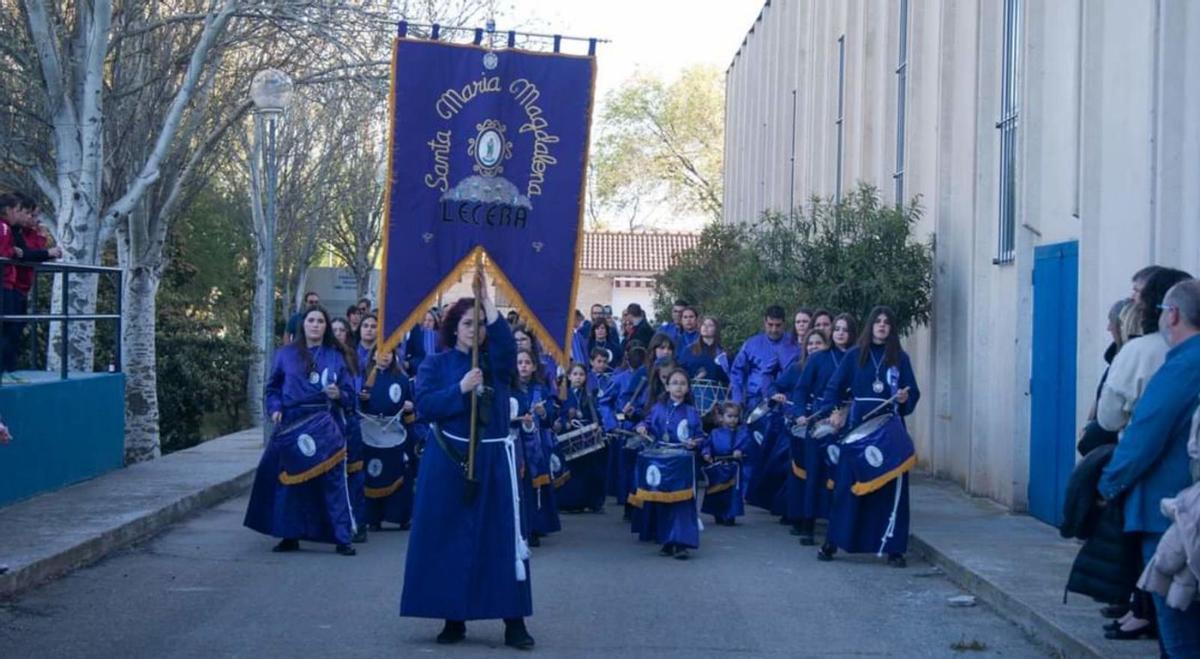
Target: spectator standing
{"type": "Point", "coordinates": [1151, 461]}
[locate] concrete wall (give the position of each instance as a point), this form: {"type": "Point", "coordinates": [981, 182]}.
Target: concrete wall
{"type": "Point", "coordinates": [1108, 154]}
{"type": "Point", "coordinates": [64, 431]}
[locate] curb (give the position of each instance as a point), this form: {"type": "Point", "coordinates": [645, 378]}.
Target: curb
{"type": "Point", "coordinates": [1009, 607]}
{"type": "Point", "coordinates": [89, 551]}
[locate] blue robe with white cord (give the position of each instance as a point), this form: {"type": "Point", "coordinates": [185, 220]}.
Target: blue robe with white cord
{"type": "Point", "coordinates": [877, 521]}
{"type": "Point", "coordinates": [466, 559]}
{"type": "Point", "coordinates": [299, 490]}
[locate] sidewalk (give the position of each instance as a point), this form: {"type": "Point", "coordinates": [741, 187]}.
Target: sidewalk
{"type": "Point", "coordinates": [1016, 564]}
{"type": "Point", "coordinates": [52, 534]}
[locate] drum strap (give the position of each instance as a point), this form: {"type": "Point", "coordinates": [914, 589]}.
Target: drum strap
{"type": "Point", "coordinates": [449, 450]}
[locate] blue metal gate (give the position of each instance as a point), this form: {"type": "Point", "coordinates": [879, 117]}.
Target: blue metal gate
{"type": "Point", "coordinates": [1052, 382]}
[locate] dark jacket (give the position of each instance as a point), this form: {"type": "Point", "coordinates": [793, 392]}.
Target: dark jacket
{"type": "Point", "coordinates": [1109, 561]}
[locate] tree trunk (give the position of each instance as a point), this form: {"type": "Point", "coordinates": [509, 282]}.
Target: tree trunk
{"type": "Point", "coordinates": [258, 334]}
{"type": "Point", "coordinates": [137, 339]}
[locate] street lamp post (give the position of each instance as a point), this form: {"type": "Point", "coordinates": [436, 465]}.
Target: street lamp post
{"type": "Point", "coordinates": [271, 92]}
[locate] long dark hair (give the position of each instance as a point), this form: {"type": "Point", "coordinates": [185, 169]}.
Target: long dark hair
{"type": "Point", "coordinates": [698, 346]}
{"type": "Point", "coordinates": [300, 343]}
{"type": "Point", "coordinates": [536, 378]}
{"type": "Point", "coordinates": [654, 386]}
{"type": "Point", "coordinates": [1153, 293]}
{"type": "Point", "coordinates": [657, 340]}
{"type": "Point", "coordinates": [851, 329]}
{"type": "Point", "coordinates": [891, 346]}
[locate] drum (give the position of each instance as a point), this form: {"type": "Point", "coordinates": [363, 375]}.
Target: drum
{"type": "Point", "coordinates": [666, 475]}
{"type": "Point", "coordinates": [879, 451]}
{"type": "Point", "coordinates": [581, 442]}
{"type": "Point", "coordinates": [722, 475]}
{"type": "Point", "coordinates": [382, 431]}
{"type": "Point", "coordinates": [707, 393]}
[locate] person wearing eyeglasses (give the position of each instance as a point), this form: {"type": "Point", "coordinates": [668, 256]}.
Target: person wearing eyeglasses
{"type": "Point", "coordinates": [1151, 461]}
{"type": "Point", "coordinates": [1130, 371]}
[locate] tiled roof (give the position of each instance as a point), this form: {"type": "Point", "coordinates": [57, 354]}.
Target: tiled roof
{"type": "Point", "coordinates": [614, 251]}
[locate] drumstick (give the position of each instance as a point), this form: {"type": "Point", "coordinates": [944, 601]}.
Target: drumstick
{"type": "Point", "coordinates": [882, 405]}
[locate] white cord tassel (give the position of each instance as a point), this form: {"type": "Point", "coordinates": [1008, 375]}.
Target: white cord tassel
{"type": "Point", "coordinates": [891, 527]}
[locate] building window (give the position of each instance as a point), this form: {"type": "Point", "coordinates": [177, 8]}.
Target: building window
{"type": "Point", "coordinates": [840, 123]}
{"type": "Point", "coordinates": [1007, 125]}
{"type": "Point", "coordinates": [901, 97]}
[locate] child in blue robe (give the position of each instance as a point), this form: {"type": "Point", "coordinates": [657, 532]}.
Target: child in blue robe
{"type": "Point", "coordinates": [586, 488]}
{"type": "Point", "coordinates": [874, 371]}
{"type": "Point", "coordinates": [536, 410]}
{"type": "Point", "coordinates": [467, 559]}
{"type": "Point", "coordinates": [672, 422]}
{"type": "Point", "coordinates": [299, 490]}
{"type": "Point", "coordinates": [386, 401]}
{"type": "Point", "coordinates": [726, 443]}
{"type": "Point", "coordinates": [818, 484]}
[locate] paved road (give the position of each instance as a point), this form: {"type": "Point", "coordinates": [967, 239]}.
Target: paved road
{"type": "Point", "coordinates": [210, 588]}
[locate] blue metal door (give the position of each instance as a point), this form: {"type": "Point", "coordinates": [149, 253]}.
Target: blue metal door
{"type": "Point", "coordinates": [1052, 385]}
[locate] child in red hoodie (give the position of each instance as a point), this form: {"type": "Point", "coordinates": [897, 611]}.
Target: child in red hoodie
{"type": "Point", "coordinates": [25, 241]}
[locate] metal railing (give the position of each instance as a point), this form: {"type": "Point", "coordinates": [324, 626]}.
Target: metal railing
{"type": "Point", "coordinates": [63, 271]}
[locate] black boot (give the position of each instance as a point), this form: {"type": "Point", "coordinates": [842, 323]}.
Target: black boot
{"type": "Point", "coordinates": [897, 560]}
{"type": "Point", "coordinates": [360, 536]}
{"type": "Point", "coordinates": [346, 550]}
{"type": "Point", "coordinates": [515, 634]}
{"type": "Point", "coordinates": [806, 532]}
{"type": "Point", "coordinates": [453, 632]}
{"type": "Point", "coordinates": [287, 544]}
{"type": "Point", "coordinates": [826, 552]}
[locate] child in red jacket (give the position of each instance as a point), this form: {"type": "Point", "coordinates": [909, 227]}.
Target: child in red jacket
{"type": "Point", "coordinates": [25, 241]}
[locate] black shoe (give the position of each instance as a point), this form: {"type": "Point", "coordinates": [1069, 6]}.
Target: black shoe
{"type": "Point", "coordinates": [375, 527]}
{"type": "Point", "coordinates": [796, 530]}
{"type": "Point", "coordinates": [1115, 611]}
{"type": "Point", "coordinates": [1122, 635]}
{"type": "Point", "coordinates": [404, 526]}
{"type": "Point", "coordinates": [682, 554]}
{"type": "Point", "coordinates": [897, 560]}
{"type": "Point", "coordinates": [535, 541]}
{"type": "Point", "coordinates": [359, 537]}
{"type": "Point", "coordinates": [598, 511]}
{"type": "Point", "coordinates": [516, 636]}
{"type": "Point", "coordinates": [287, 544]}
{"type": "Point", "coordinates": [453, 632]}
{"type": "Point", "coordinates": [347, 550]}
{"type": "Point", "coordinates": [667, 550]}
{"type": "Point", "coordinates": [826, 552]}
{"type": "Point", "coordinates": [1112, 625]}
{"type": "Point", "coordinates": [807, 540]}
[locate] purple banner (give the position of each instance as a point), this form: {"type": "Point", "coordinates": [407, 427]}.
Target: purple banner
{"type": "Point", "coordinates": [489, 152]}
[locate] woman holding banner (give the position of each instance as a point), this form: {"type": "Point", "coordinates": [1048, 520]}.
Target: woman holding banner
{"type": "Point", "coordinates": [467, 559]}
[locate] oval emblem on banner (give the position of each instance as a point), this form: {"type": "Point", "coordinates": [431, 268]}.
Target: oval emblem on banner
{"type": "Point", "coordinates": [307, 445]}
{"type": "Point", "coordinates": [874, 456]}
{"type": "Point", "coordinates": [682, 431]}
{"type": "Point", "coordinates": [490, 148]}
{"type": "Point", "coordinates": [834, 453]}
{"type": "Point", "coordinates": [653, 476]}
{"type": "Point", "coordinates": [375, 467]}
{"type": "Point", "coordinates": [395, 392]}
{"type": "Point", "coordinates": [314, 378]}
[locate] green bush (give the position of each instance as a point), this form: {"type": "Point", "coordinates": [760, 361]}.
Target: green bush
{"type": "Point", "coordinates": [201, 381]}
{"type": "Point", "coordinates": [848, 256]}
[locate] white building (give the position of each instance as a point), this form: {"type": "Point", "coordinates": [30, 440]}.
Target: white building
{"type": "Point", "coordinates": [1061, 136]}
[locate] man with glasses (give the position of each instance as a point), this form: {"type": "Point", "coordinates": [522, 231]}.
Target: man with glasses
{"type": "Point", "coordinates": [1151, 461]}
